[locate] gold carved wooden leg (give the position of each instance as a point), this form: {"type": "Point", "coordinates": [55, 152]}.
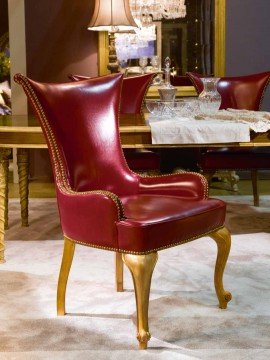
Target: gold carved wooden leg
{"type": "Point", "coordinates": [2, 212]}
{"type": "Point", "coordinates": [141, 268]}
{"type": "Point", "coordinates": [4, 156]}
{"type": "Point", "coordinates": [254, 179]}
{"type": "Point", "coordinates": [119, 272]}
{"type": "Point", "coordinates": [223, 239]}
{"type": "Point", "coordinates": [69, 247]}
{"type": "Point", "coordinates": [23, 171]}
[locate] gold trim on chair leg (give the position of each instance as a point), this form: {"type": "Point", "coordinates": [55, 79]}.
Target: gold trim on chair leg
{"type": "Point", "coordinates": [68, 252]}
{"type": "Point", "coordinates": [141, 268]}
{"type": "Point", "coordinates": [254, 179]}
{"type": "Point", "coordinates": [119, 272]}
{"type": "Point", "coordinates": [223, 239]}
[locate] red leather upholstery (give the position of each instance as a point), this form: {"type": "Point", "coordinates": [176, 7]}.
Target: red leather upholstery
{"type": "Point", "coordinates": [236, 158]}
{"type": "Point", "coordinates": [101, 202]}
{"type": "Point", "coordinates": [134, 90]}
{"type": "Point", "coordinates": [238, 92]}
{"type": "Point", "coordinates": [180, 80]}
{"type": "Point", "coordinates": [133, 93]}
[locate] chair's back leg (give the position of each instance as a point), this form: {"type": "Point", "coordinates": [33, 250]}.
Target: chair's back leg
{"type": "Point", "coordinates": [254, 179]}
{"type": "Point", "coordinates": [119, 272]}
{"type": "Point", "coordinates": [141, 268]}
{"type": "Point", "coordinates": [223, 239]}
{"type": "Point", "coordinates": [69, 247]}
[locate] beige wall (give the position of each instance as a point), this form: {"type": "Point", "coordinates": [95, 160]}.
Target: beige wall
{"type": "Point", "coordinates": [57, 39]}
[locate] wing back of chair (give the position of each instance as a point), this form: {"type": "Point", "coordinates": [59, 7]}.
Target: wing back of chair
{"type": "Point", "coordinates": [134, 90]}
{"type": "Point", "coordinates": [238, 92]}
{"type": "Point", "coordinates": [78, 77]}
{"type": "Point", "coordinates": [80, 121]}
{"type": "Point", "coordinates": [133, 93]}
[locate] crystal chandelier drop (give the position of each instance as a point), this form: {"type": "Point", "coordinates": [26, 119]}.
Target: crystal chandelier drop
{"type": "Point", "coordinates": [146, 11]}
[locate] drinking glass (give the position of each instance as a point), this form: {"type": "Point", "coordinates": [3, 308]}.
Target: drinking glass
{"type": "Point", "coordinates": [155, 62]}
{"type": "Point", "coordinates": [143, 63]}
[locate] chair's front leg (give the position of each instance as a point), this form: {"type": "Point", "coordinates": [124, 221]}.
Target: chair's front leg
{"type": "Point", "coordinates": [223, 239]}
{"type": "Point", "coordinates": [119, 272]}
{"type": "Point", "coordinates": [69, 247]}
{"type": "Point", "coordinates": [141, 268]}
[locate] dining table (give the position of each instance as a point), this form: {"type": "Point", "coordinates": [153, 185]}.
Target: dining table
{"type": "Point", "coordinates": [135, 133]}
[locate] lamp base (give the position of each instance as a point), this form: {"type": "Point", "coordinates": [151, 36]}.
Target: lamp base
{"type": "Point", "coordinates": [113, 65]}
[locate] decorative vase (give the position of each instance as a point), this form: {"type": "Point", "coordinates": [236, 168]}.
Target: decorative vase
{"type": "Point", "coordinates": [167, 91]}
{"type": "Point", "coordinates": [209, 98]}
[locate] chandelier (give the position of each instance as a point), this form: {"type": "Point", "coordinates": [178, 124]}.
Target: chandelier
{"type": "Point", "coordinates": [147, 11]}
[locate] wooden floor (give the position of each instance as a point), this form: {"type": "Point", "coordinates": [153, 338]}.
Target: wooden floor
{"type": "Point", "coordinates": [39, 189]}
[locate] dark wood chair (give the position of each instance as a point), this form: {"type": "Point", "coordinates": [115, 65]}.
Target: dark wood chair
{"type": "Point", "coordinates": [238, 92]}
{"type": "Point", "coordinates": [105, 205]}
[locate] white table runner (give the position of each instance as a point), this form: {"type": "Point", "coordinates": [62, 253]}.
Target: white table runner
{"type": "Point", "coordinates": [190, 131]}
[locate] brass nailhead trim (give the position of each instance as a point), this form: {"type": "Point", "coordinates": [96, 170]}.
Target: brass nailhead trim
{"type": "Point", "coordinates": [146, 252]}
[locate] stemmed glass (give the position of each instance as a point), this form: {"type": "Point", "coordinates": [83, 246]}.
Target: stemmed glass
{"type": "Point", "coordinates": [155, 62]}
{"type": "Point", "coordinates": [143, 63]}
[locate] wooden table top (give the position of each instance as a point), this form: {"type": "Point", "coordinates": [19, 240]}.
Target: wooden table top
{"type": "Point", "coordinates": [134, 133]}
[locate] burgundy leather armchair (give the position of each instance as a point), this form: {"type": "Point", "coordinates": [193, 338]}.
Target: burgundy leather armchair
{"type": "Point", "coordinates": [239, 92]}
{"type": "Point", "coordinates": [116, 209]}
{"type": "Point", "coordinates": [133, 94]}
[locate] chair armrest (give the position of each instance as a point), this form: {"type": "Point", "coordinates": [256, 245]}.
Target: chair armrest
{"type": "Point", "coordinates": [185, 184]}
{"type": "Point", "coordinates": [90, 217]}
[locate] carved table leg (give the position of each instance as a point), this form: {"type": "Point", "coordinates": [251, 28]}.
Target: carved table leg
{"type": "Point", "coordinates": [3, 194]}
{"type": "Point", "coordinates": [23, 171]}
{"type": "Point", "coordinates": [4, 158]}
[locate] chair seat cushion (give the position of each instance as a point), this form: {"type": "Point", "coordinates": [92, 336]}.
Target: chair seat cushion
{"type": "Point", "coordinates": [236, 158]}
{"type": "Point", "coordinates": [157, 222]}
{"type": "Point", "coordinates": [142, 160]}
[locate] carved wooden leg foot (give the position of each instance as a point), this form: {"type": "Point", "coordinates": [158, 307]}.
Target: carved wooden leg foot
{"type": "Point", "coordinates": [69, 247]}
{"type": "Point", "coordinates": [23, 171]}
{"type": "Point", "coordinates": [119, 272]}
{"type": "Point", "coordinates": [223, 239]}
{"type": "Point", "coordinates": [141, 268]}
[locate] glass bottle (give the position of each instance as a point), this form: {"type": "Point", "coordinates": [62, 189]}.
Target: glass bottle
{"type": "Point", "coordinates": [167, 91]}
{"type": "Point", "coordinates": [209, 98]}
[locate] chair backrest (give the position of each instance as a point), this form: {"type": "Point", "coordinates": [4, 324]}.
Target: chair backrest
{"type": "Point", "coordinates": [180, 80]}
{"type": "Point", "coordinates": [80, 123]}
{"type": "Point", "coordinates": [238, 92]}
{"type": "Point", "coordinates": [133, 93]}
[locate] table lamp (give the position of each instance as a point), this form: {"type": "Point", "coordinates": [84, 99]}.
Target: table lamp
{"type": "Point", "coordinates": [112, 16]}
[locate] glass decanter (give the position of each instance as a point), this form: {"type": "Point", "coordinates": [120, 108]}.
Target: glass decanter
{"type": "Point", "coordinates": [167, 91]}
{"type": "Point", "coordinates": [209, 98]}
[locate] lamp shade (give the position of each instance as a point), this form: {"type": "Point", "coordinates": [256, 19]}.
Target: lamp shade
{"type": "Point", "coordinates": [112, 16]}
